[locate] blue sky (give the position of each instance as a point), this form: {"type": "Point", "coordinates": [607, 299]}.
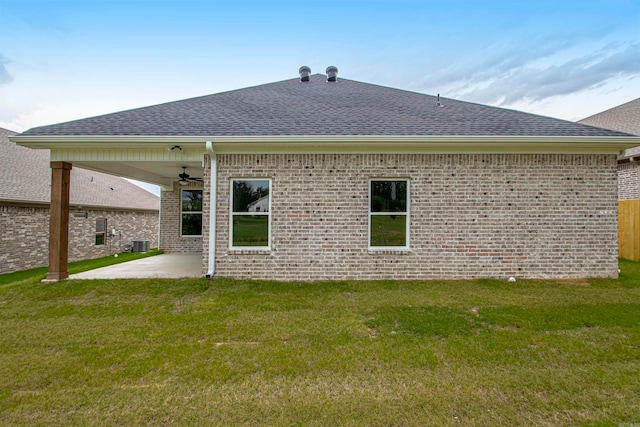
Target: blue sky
{"type": "Point", "coordinates": [64, 60]}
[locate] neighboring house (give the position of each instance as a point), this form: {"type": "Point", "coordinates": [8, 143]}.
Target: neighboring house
{"type": "Point", "coordinates": [364, 182]}
{"type": "Point", "coordinates": [100, 203]}
{"type": "Point", "coordinates": [623, 118]}
{"type": "Point", "coordinates": [260, 205]}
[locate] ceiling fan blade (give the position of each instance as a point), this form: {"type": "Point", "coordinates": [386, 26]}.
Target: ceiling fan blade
{"type": "Point", "coordinates": [184, 176]}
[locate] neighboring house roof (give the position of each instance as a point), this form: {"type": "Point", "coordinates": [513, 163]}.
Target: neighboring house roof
{"type": "Point", "coordinates": [623, 118]}
{"type": "Point", "coordinates": [26, 177]}
{"type": "Point", "coordinates": [261, 204]}
{"type": "Point", "coordinates": [319, 108]}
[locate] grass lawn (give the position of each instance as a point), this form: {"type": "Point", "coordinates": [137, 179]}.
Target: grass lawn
{"type": "Point", "coordinates": [227, 352]}
{"type": "Point", "coordinates": [75, 267]}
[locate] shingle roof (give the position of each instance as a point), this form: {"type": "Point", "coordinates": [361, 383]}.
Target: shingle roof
{"type": "Point", "coordinates": [26, 177]}
{"type": "Point", "coordinates": [623, 118]}
{"type": "Point", "coordinates": [317, 107]}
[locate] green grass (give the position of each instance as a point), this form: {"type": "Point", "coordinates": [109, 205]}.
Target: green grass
{"type": "Point", "coordinates": [75, 267]}
{"type": "Point", "coordinates": [230, 352]}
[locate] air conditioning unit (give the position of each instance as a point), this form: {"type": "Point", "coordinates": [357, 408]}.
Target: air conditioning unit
{"type": "Point", "coordinates": [140, 246]}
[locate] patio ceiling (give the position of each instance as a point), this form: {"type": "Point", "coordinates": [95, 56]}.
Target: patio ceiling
{"type": "Point", "coordinates": [154, 162]}
{"type": "Point", "coordinates": [163, 173]}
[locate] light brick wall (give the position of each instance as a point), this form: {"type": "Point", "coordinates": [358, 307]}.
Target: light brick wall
{"type": "Point", "coordinates": [129, 225]}
{"type": "Point", "coordinates": [24, 237]}
{"type": "Point", "coordinates": [471, 216]}
{"type": "Point", "coordinates": [24, 234]}
{"type": "Point", "coordinates": [170, 239]}
{"type": "Point", "coordinates": [628, 181]}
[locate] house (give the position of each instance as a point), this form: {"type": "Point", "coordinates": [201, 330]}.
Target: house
{"type": "Point", "coordinates": [260, 205]}
{"type": "Point", "coordinates": [99, 204]}
{"type": "Point", "coordinates": [623, 118]}
{"type": "Point", "coordinates": [363, 182]}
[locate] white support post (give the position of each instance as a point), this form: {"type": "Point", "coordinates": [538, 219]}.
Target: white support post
{"type": "Point", "coordinates": [213, 191]}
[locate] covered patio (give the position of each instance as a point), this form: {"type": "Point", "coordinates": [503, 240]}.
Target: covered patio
{"type": "Point", "coordinates": [163, 161]}
{"type": "Point", "coordinates": [164, 266]}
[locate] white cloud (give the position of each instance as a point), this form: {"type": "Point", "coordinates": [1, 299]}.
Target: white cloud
{"type": "Point", "coordinates": [541, 73]}
{"type": "Point", "coordinates": [574, 75]}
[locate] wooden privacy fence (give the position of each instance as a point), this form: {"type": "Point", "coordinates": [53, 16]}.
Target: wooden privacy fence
{"type": "Point", "coordinates": [629, 229]}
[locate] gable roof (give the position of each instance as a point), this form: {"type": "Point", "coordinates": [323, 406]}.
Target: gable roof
{"type": "Point", "coordinates": [26, 177]}
{"type": "Point", "coordinates": [319, 108]}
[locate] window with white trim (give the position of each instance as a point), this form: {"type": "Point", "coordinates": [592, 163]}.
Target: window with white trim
{"type": "Point", "coordinates": [389, 214]}
{"type": "Point", "coordinates": [191, 213]}
{"type": "Point", "coordinates": [101, 231]}
{"type": "Point", "coordinates": [250, 219]}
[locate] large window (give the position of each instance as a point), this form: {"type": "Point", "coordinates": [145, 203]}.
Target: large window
{"type": "Point", "coordinates": [389, 214]}
{"type": "Point", "coordinates": [250, 214]}
{"type": "Point", "coordinates": [191, 218]}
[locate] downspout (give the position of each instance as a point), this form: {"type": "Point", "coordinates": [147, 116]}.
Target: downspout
{"type": "Point", "coordinates": [213, 192]}
{"type": "Point", "coordinates": [160, 220]}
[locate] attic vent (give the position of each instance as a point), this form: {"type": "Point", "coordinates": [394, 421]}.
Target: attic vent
{"type": "Point", "coordinates": [332, 73]}
{"type": "Point", "coordinates": [304, 72]}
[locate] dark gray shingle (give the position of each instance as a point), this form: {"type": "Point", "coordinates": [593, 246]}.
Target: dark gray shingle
{"type": "Point", "coordinates": [317, 107]}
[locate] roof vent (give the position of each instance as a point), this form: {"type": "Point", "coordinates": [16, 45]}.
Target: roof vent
{"type": "Point", "coordinates": [304, 72]}
{"type": "Point", "coordinates": [332, 73]}
{"type": "Point", "coordinates": [438, 102]}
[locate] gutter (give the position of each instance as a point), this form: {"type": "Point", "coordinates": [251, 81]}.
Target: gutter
{"type": "Point", "coordinates": [213, 192]}
{"type": "Point", "coordinates": [630, 159]}
{"type": "Point", "coordinates": [75, 205]}
{"type": "Point", "coordinates": [370, 144]}
{"type": "Point", "coordinates": [191, 141]}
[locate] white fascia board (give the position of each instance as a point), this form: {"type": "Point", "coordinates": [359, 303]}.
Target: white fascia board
{"type": "Point", "coordinates": [106, 141]}
{"type": "Point", "coordinates": [349, 144]}
{"type": "Point", "coordinates": [424, 145]}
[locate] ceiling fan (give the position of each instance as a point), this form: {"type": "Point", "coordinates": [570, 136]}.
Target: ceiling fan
{"type": "Point", "coordinates": [185, 178]}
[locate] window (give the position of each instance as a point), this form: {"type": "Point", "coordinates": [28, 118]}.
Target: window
{"type": "Point", "coordinates": [191, 219]}
{"type": "Point", "coordinates": [389, 214]}
{"type": "Point", "coordinates": [101, 231]}
{"type": "Point", "coordinates": [250, 214]}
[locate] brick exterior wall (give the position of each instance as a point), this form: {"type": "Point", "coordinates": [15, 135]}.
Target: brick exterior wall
{"type": "Point", "coordinates": [628, 181]}
{"type": "Point", "coordinates": [530, 216]}
{"type": "Point", "coordinates": [170, 239]}
{"type": "Point", "coordinates": [24, 234]}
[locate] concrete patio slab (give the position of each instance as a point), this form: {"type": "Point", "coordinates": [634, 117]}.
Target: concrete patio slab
{"type": "Point", "coordinates": [172, 266]}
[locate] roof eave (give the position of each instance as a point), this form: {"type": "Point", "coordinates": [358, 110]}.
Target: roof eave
{"type": "Point", "coordinates": [343, 143]}
{"type": "Point", "coordinates": [76, 205]}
